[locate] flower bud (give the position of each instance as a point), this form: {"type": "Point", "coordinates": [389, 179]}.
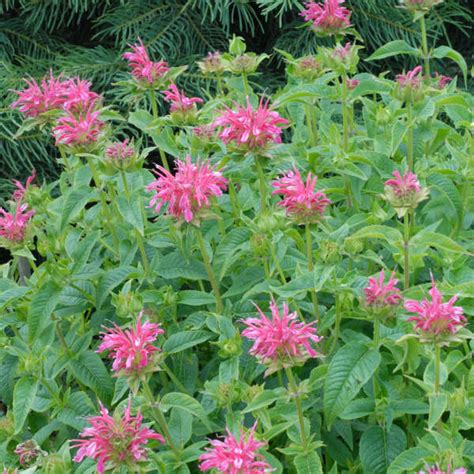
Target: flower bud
{"type": "Point", "coordinates": [28, 452]}
{"type": "Point", "coordinates": [329, 251]}
{"type": "Point", "coordinates": [230, 347]}
{"type": "Point", "coordinates": [341, 58]}
{"type": "Point", "coordinates": [212, 63]}
{"type": "Point", "coordinates": [419, 5]}
{"type": "Point", "coordinates": [237, 46]}
{"type": "Point", "coordinates": [307, 67]}
{"type": "Point", "coordinates": [410, 85]}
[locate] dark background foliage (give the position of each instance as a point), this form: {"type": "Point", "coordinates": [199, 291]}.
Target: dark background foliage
{"type": "Point", "coordinates": [87, 37]}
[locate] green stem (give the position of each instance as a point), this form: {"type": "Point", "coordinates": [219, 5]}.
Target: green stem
{"type": "Point", "coordinates": [158, 415]}
{"type": "Point", "coordinates": [125, 184]}
{"type": "Point", "coordinates": [294, 389]}
{"type": "Point", "coordinates": [376, 344]}
{"type": "Point", "coordinates": [410, 139]}
{"type": "Point", "coordinates": [277, 264]}
{"type": "Point", "coordinates": [310, 125]}
{"type": "Point", "coordinates": [424, 45]}
{"type": "Point", "coordinates": [154, 106]}
{"type": "Point", "coordinates": [309, 257]}
{"type": "Point", "coordinates": [246, 84]}
{"type": "Point", "coordinates": [164, 160]}
{"type": "Point", "coordinates": [406, 250]}
{"type": "Point", "coordinates": [437, 367]}
{"type": "Point", "coordinates": [263, 186]}
{"type": "Point", "coordinates": [220, 89]}
{"type": "Point", "coordinates": [337, 327]}
{"type": "Point", "coordinates": [174, 379]}
{"type": "Point", "coordinates": [210, 271]}
{"type": "Point", "coordinates": [234, 201]}
{"type": "Point", "coordinates": [141, 246]}
{"type": "Point", "coordinates": [345, 116]}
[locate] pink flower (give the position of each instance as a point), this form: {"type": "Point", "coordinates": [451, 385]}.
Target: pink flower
{"type": "Point", "coordinates": [328, 17]}
{"type": "Point", "coordinates": [132, 349]}
{"type": "Point", "coordinates": [204, 132]}
{"type": "Point", "coordinates": [404, 185]}
{"type": "Point", "coordinates": [378, 294]}
{"type": "Point", "coordinates": [80, 129]}
{"type": "Point", "coordinates": [443, 81]}
{"type": "Point", "coordinates": [437, 470]}
{"type": "Point", "coordinates": [13, 226]}
{"type": "Point", "coordinates": [189, 190]}
{"type": "Point", "coordinates": [143, 69]}
{"type": "Point", "coordinates": [78, 95]}
{"type": "Point", "coordinates": [435, 317]}
{"type": "Point", "coordinates": [178, 100]}
{"type": "Point", "coordinates": [342, 52]}
{"type": "Point", "coordinates": [120, 150]}
{"type": "Point", "coordinates": [250, 128]}
{"type": "Point", "coordinates": [300, 199]}
{"type": "Point", "coordinates": [28, 451]}
{"type": "Point", "coordinates": [230, 456]}
{"type": "Point", "coordinates": [352, 83]}
{"type": "Point", "coordinates": [115, 442]}
{"type": "Point", "coordinates": [212, 63]}
{"type": "Point", "coordinates": [20, 190]}
{"type": "Point", "coordinates": [282, 339]}
{"type": "Point", "coordinates": [37, 99]}
{"type": "Point", "coordinates": [411, 79]}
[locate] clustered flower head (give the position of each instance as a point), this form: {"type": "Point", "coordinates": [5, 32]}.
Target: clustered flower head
{"type": "Point", "coordinates": [131, 349]}
{"type": "Point", "coordinates": [232, 456]}
{"type": "Point", "coordinates": [143, 68]}
{"type": "Point", "coordinates": [404, 192]}
{"type": "Point", "coordinates": [28, 451]}
{"type": "Point", "coordinates": [411, 78]}
{"type": "Point", "coordinates": [13, 225]}
{"type": "Point", "coordinates": [441, 80]}
{"type": "Point", "coordinates": [352, 83]}
{"type": "Point", "coordinates": [55, 94]}
{"type": "Point", "coordinates": [300, 200]}
{"type": "Point", "coordinates": [435, 318]}
{"type": "Point", "coordinates": [379, 295]}
{"type": "Point", "coordinates": [120, 150]}
{"type": "Point", "coordinates": [115, 442]}
{"type": "Point", "coordinates": [250, 128]}
{"type": "Point", "coordinates": [419, 5]}
{"type": "Point", "coordinates": [281, 341]}
{"type": "Point", "coordinates": [189, 190]}
{"type": "Point", "coordinates": [178, 100]}
{"type": "Point", "coordinates": [436, 470]}
{"type": "Point", "coordinates": [328, 18]}
{"type": "Point", "coordinates": [212, 63]}
{"type": "Point", "coordinates": [78, 129]}
{"type": "Point", "coordinates": [306, 67]}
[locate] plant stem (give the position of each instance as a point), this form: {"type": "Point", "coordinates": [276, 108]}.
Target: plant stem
{"type": "Point", "coordinates": [24, 270]}
{"type": "Point", "coordinates": [141, 246]}
{"type": "Point", "coordinates": [337, 326]}
{"type": "Point", "coordinates": [280, 271]}
{"type": "Point", "coordinates": [158, 415]}
{"type": "Point", "coordinates": [424, 46]}
{"type": "Point", "coordinates": [125, 184]}
{"type": "Point", "coordinates": [345, 117]}
{"type": "Point", "coordinates": [294, 388]}
{"type": "Point", "coordinates": [309, 257]}
{"type": "Point", "coordinates": [410, 137]}
{"type": "Point", "coordinates": [154, 107]}
{"type": "Point", "coordinates": [246, 84]}
{"type": "Point", "coordinates": [310, 125]}
{"type": "Point", "coordinates": [376, 344]}
{"type": "Point", "coordinates": [437, 367]}
{"type": "Point", "coordinates": [406, 250]}
{"type": "Point", "coordinates": [263, 186]}
{"type": "Point", "coordinates": [164, 160]}
{"type": "Point", "coordinates": [210, 271]}
{"type": "Point", "coordinates": [174, 379]}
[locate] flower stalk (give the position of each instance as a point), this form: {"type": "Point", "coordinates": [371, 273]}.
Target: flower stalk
{"type": "Point", "coordinates": [424, 46]}
{"type": "Point", "coordinates": [309, 257]}
{"type": "Point", "coordinates": [299, 410]}
{"type": "Point", "coordinates": [406, 250]}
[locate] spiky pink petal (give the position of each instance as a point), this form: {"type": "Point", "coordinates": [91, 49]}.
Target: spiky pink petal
{"type": "Point", "coordinates": [411, 79]}
{"type": "Point", "coordinates": [189, 190]}
{"type": "Point", "coordinates": [120, 150]}
{"type": "Point", "coordinates": [20, 190]}
{"type": "Point", "coordinates": [328, 17]}
{"type": "Point", "coordinates": [78, 95]}
{"type": "Point", "coordinates": [380, 294]}
{"type": "Point", "coordinates": [300, 200]}
{"type": "Point", "coordinates": [232, 456]}
{"type": "Point", "coordinates": [114, 442]}
{"type": "Point", "coordinates": [178, 100]}
{"type": "Point", "coordinates": [13, 225]}
{"type": "Point", "coordinates": [404, 185]}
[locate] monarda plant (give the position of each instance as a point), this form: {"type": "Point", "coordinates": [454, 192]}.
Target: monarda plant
{"type": "Point", "coordinates": [241, 283]}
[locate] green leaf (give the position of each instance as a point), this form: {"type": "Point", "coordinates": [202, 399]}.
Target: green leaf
{"type": "Point", "coordinates": [438, 404]}
{"type": "Point", "coordinates": [180, 426]}
{"type": "Point", "coordinates": [196, 298]}
{"type": "Point", "coordinates": [264, 399]}
{"type": "Point", "coordinates": [41, 307]}
{"type": "Point", "coordinates": [394, 48]}
{"type": "Point", "coordinates": [183, 340]}
{"type": "Point", "coordinates": [428, 238]}
{"type": "Point", "coordinates": [358, 409]}
{"type": "Point", "coordinates": [131, 211]}
{"type": "Point", "coordinates": [389, 234]}
{"type": "Point", "coordinates": [73, 203]}
{"type": "Point", "coordinates": [447, 52]}
{"type": "Point", "coordinates": [110, 280]}
{"type": "Point", "coordinates": [308, 464]}
{"type": "Point", "coordinates": [89, 369]}
{"type": "Point", "coordinates": [186, 403]}
{"type": "Point", "coordinates": [349, 370]}
{"type": "Point", "coordinates": [378, 448]}
{"type": "Point", "coordinates": [408, 460]}
{"type": "Point", "coordinates": [24, 394]}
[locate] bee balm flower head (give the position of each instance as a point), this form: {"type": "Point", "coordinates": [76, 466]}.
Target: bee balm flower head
{"type": "Point", "coordinates": [300, 200]}
{"type": "Point", "coordinates": [327, 18]}
{"type": "Point", "coordinates": [250, 128]}
{"type": "Point", "coordinates": [434, 319]}
{"type": "Point", "coordinates": [436, 470]}
{"type": "Point", "coordinates": [182, 108]}
{"type": "Point", "coordinates": [232, 456]}
{"type": "Point", "coordinates": [115, 442]}
{"type": "Point", "coordinates": [131, 349]}
{"type": "Point", "coordinates": [189, 191]}
{"type": "Point", "coordinates": [404, 192]}
{"type": "Point", "coordinates": [380, 295]}
{"type": "Point", "coordinates": [143, 68]}
{"type": "Point", "coordinates": [78, 95]}
{"type": "Point", "coordinates": [20, 191]}
{"type": "Point", "coordinates": [281, 341]}
{"type": "Point", "coordinates": [13, 226]}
